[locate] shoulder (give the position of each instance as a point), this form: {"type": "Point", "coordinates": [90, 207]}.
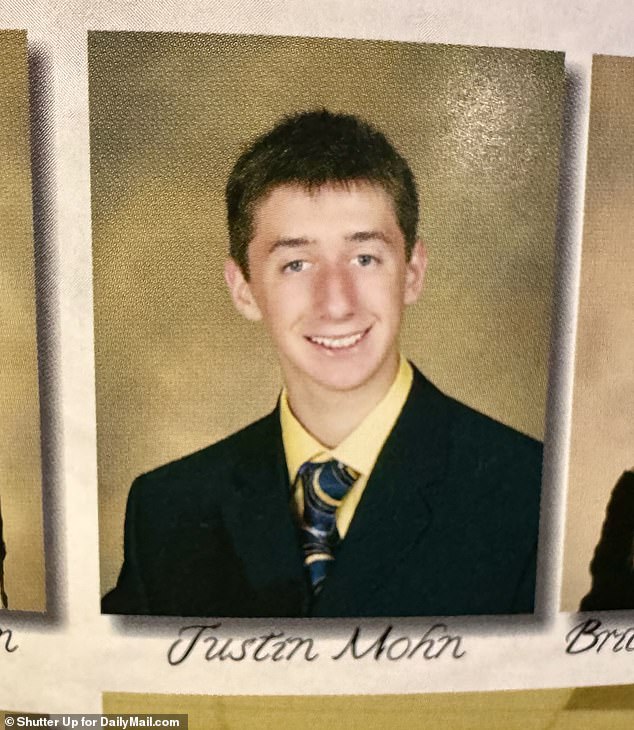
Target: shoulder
{"type": "Point", "coordinates": [495, 460]}
{"type": "Point", "coordinates": [208, 469]}
{"type": "Point", "coordinates": [619, 513]}
{"type": "Point", "coordinates": [624, 489]}
{"type": "Point", "coordinates": [471, 429]}
{"type": "Point", "coordinates": [611, 566]}
{"type": "Point", "coordinates": [474, 430]}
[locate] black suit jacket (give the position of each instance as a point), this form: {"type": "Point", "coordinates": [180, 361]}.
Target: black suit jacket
{"type": "Point", "coordinates": [612, 566]}
{"type": "Point", "coordinates": [447, 525]}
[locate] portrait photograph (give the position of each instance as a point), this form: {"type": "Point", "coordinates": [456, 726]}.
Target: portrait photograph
{"type": "Point", "coordinates": [323, 281]}
{"type": "Point", "coordinates": [22, 582]}
{"type": "Point", "coordinates": [598, 569]}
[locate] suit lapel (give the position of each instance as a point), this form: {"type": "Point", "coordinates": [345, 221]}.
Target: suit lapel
{"type": "Point", "coordinates": [396, 509]}
{"type": "Point", "coordinates": [259, 519]}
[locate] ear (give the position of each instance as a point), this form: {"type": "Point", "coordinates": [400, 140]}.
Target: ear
{"type": "Point", "coordinates": [240, 291]}
{"type": "Point", "coordinates": [415, 273]}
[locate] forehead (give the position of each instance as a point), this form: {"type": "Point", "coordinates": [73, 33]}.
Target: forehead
{"type": "Point", "coordinates": [294, 211]}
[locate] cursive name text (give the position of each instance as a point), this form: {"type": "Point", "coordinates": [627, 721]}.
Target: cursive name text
{"type": "Point", "coordinates": [276, 646]}
{"type": "Point", "coordinates": [589, 636]}
{"type": "Point", "coordinates": [7, 641]}
{"type": "Point", "coordinates": [431, 645]}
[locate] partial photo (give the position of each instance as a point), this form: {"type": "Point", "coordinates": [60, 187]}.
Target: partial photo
{"type": "Point", "coordinates": [599, 708]}
{"type": "Point", "coordinates": [599, 546]}
{"type": "Point", "coordinates": [323, 276]}
{"type": "Point", "coordinates": [22, 584]}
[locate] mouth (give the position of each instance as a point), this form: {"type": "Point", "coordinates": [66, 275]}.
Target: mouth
{"type": "Point", "coordinates": [339, 342]}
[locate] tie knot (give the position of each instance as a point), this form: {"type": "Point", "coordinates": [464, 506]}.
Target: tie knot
{"type": "Point", "coordinates": [332, 478]}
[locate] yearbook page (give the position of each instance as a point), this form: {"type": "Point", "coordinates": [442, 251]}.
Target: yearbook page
{"type": "Point", "coordinates": [317, 360]}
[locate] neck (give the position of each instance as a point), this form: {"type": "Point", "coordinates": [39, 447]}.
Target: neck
{"type": "Point", "coordinates": [331, 416]}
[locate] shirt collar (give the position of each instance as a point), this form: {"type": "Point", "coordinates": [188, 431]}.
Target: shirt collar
{"type": "Point", "coordinates": [360, 449]}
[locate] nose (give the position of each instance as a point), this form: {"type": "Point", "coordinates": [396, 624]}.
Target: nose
{"type": "Point", "coordinates": [335, 293]}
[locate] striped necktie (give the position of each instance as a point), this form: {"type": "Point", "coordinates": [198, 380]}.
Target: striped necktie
{"type": "Point", "coordinates": [325, 484]}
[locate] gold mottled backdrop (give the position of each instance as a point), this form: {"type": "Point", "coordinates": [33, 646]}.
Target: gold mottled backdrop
{"type": "Point", "coordinates": [176, 366]}
{"type": "Point", "coordinates": [584, 708]}
{"type": "Point", "coordinates": [20, 474]}
{"type": "Point", "coordinates": [602, 445]}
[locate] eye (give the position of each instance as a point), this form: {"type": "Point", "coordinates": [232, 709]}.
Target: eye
{"type": "Point", "coordinates": [295, 266]}
{"type": "Point", "coordinates": [365, 259]}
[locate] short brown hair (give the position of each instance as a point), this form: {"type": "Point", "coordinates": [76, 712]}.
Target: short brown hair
{"type": "Point", "coordinates": [312, 149]}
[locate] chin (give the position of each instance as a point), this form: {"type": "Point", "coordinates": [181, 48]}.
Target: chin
{"type": "Point", "coordinates": [341, 373]}
{"type": "Point", "coordinates": [344, 381]}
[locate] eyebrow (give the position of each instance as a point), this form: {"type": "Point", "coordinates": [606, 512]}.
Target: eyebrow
{"type": "Point", "coordinates": [373, 235]}
{"type": "Point", "coordinates": [290, 243]}
{"type": "Point", "coordinates": [356, 237]}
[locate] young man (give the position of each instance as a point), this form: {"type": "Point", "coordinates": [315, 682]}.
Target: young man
{"type": "Point", "coordinates": [612, 566]}
{"type": "Point", "coordinates": [366, 492]}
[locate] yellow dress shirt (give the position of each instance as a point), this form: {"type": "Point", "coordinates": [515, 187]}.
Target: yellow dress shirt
{"type": "Point", "coordinates": [359, 450]}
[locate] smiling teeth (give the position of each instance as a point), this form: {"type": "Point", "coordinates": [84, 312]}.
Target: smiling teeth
{"type": "Point", "coordinates": [338, 342]}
